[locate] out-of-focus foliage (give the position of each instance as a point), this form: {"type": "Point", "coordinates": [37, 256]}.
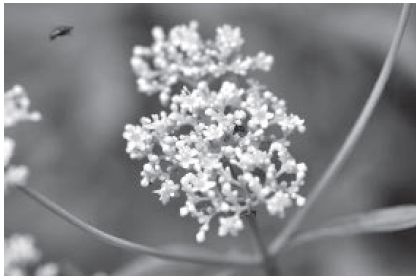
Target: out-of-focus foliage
{"type": "Point", "coordinates": [392, 219]}
{"type": "Point", "coordinates": [327, 59]}
{"type": "Point", "coordinates": [146, 266]}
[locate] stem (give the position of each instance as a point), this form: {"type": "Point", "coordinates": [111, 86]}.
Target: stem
{"type": "Point", "coordinates": [131, 246]}
{"type": "Point", "coordinates": [268, 261]}
{"type": "Point", "coordinates": [352, 138]}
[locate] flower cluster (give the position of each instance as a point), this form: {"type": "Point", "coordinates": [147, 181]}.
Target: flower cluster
{"type": "Point", "coordinates": [22, 258]}
{"type": "Point", "coordinates": [183, 56]}
{"type": "Point", "coordinates": [16, 109]}
{"type": "Point", "coordinates": [225, 151]}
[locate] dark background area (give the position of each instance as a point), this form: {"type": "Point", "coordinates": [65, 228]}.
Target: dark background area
{"type": "Point", "coordinates": [327, 57]}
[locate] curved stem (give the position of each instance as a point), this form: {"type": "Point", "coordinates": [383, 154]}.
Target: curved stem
{"type": "Point", "coordinates": [352, 138]}
{"type": "Point", "coordinates": [268, 261]}
{"type": "Point", "coordinates": [131, 246]}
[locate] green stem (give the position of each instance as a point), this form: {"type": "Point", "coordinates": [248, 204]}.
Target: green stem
{"type": "Point", "coordinates": [131, 246]}
{"type": "Point", "coordinates": [352, 138]}
{"type": "Point", "coordinates": [268, 261]}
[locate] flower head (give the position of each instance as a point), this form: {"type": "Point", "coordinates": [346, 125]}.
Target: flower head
{"type": "Point", "coordinates": [198, 152]}
{"type": "Point", "coordinates": [183, 56]}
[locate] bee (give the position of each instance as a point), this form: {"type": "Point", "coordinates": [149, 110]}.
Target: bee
{"type": "Point", "coordinates": [60, 31]}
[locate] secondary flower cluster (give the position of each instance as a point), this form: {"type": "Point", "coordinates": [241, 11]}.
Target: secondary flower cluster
{"type": "Point", "coordinates": [16, 109]}
{"type": "Point", "coordinates": [183, 56]}
{"type": "Point", "coordinates": [22, 258]}
{"type": "Point", "coordinates": [225, 151]}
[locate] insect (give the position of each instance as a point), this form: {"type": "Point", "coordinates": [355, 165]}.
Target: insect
{"type": "Point", "coordinates": [60, 31]}
{"type": "Point", "coordinates": [239, 129]}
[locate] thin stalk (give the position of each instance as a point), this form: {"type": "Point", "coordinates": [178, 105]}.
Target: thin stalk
{"type": "Point", "coordinates": [351, 139]}
{"type": "Point", "coordinates": [268, 262]}
{"type": "Point", "coordinates": [131, 246]}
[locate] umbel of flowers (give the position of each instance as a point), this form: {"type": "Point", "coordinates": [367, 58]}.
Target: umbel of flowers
{"type": "Point", "coordinates": [222, 147]}
{"type": "Point", "coordinates": [16, 110]}
{"type": "Point", "coordinates": [183, 56]}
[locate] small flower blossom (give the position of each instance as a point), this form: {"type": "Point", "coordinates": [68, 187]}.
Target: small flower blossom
{"type": "Point", "coordinates": [168, 190]}
{"type": "Point", "coordinates": [183, 56]}
{"type": "Point", "coordinates": [230, 225]}
{"type": "Point", "coordinates": [22, 258]}
{"type": "Point", "coordinates": [228, 39]}
{"type": "Point", "coordinates": [278, 203]}
{"type": "Point", "coordinates": [15, 176]}
{"type": "Point", "coordinates": [260, 116]}
{"type": "Point", "coordinates": [16, 110]}
{"type": "Point", "coordinates": [197, 152]}
{"type": "Point", "coordinates": [48, 269]}
{"type": "Point", "coordinates": [16, 107]}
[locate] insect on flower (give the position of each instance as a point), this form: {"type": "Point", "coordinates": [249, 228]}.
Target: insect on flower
{"type": "Point", "coordinates": [239, 129]}
{"type": "Point", "coordinates": [60, 31]}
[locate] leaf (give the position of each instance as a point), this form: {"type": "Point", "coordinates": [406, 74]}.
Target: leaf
{"type": "Point", "coordinates": [150, 266]}
{"type": "Point", "coordinates": [382, 220]}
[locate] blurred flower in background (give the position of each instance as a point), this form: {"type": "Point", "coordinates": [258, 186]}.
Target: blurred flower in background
{"type": "Point", "coordinates": [22, 258]}
{"type": "Point", "coordinates": [16, 109]}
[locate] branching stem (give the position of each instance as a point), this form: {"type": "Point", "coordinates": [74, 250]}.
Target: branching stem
{"type": "Point", "coordinates": [135, 247]}
{"type": "Point", "coordinates": [351, 139]}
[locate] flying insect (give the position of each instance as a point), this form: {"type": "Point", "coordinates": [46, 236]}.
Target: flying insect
{"type": "Point", "coordinates": [60, 31]}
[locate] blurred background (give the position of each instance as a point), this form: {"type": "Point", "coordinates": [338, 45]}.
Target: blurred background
{"type": "Point", "coordinates": [327, 57]}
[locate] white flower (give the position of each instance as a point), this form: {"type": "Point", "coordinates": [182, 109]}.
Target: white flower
{"type": "Point", "coordinates": [168, 190]}
{"type": "Point", "coordinates": [196, 152]}
{"type": "Point", "coordinates": [213, 132]}
{"type": "Point", "coordinates": [22, 258]}
{"type": "Point", "coordinates": [292, 122]}
{"type": "Point", "coordinates": [48, 269]}
{"type": "Point", "coordinates": [197, 183]}
{"type": "Point", "coordinates": [138, 141]}
{"type": "Point", "coordinates": [263, 61]}
{"type": "Point", "coordinates": [19, 250]}
{"type": "Point", "coordinates": [151, 172]}
{"type": "Point", "coordinates": [200, 236]}
{"type": "Point", "coordinates": [276, 205]}
{"type": "Point", "coordinates": [203, 184]}
{"type": "Point", "coordinates": [221, 146]}
{"type": "Point", "coordinates": [228, 39]}
{"type": "Point", "coordinates": [260, 116]}
{"type": "Point", "coordinates": [252, 158]}
{"type": "Point", "coordinates": [230, 225]}
{"type": "Point", "coordinates": [301, 171]}
{"type": "Point", "coordinates": [187, 156]}
{"type": "Point", "coordinates": [183, 56]}
{"type": "Point", "coordinates": [186, 37]}
{"type": "Point", "coordinates": [16, 107]}
{"type": "Point", "coordinates": [15, 176]}
{"type": "Point", "coordinates": [9, 146]}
